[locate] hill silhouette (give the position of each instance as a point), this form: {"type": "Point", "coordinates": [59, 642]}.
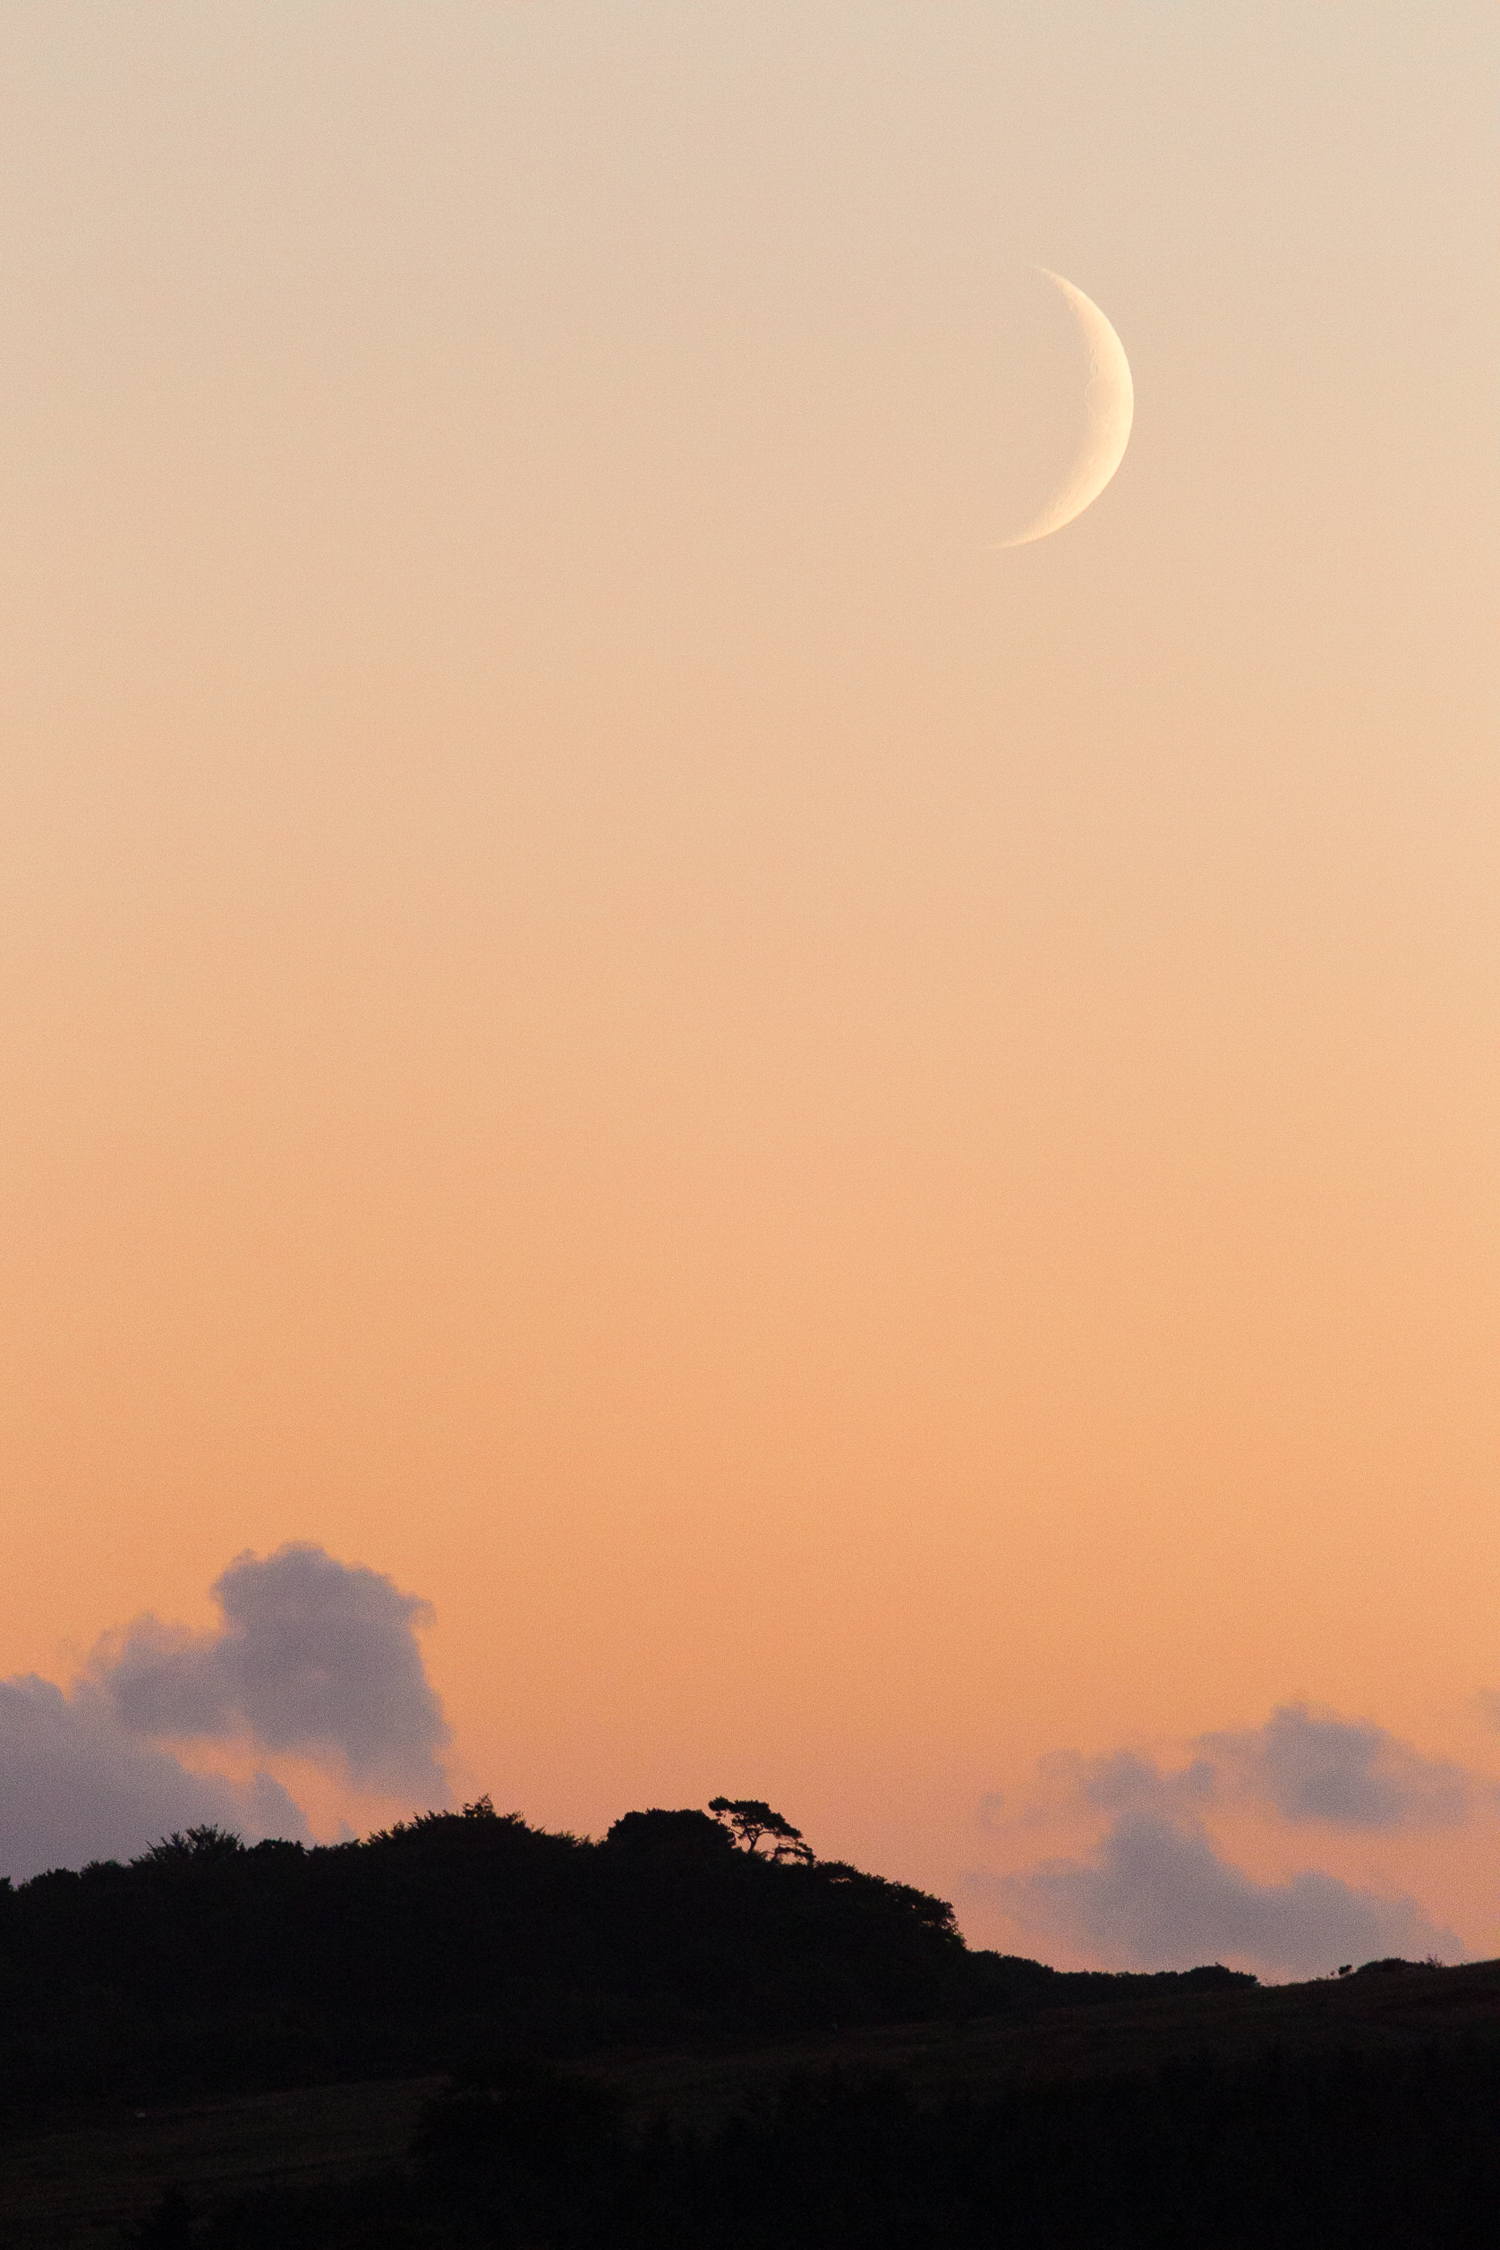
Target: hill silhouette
{"type": "Point", "coordinates": [206, 1963]}
{"type": "Point", "coordinates": [471, 2033]}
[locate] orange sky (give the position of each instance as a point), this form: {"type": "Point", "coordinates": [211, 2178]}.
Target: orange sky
{"type": "Point", "coordinates": [866, 1158]}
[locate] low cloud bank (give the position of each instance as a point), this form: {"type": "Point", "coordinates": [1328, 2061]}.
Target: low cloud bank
{"type": "Point", "coordinates": [1156, 1894]}
{"type": "Point", "coordinates": [1156, 1891]}
{"type": "Point", "coordinates": [314, 1656]}
{"type": "Point", "coordinates": [74, 1786]}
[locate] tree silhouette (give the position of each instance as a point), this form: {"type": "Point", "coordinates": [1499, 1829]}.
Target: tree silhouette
{"type": "Point", "coordinates": [204, 1846]}
{"type": "Point", "coordinates": [749, 1820]}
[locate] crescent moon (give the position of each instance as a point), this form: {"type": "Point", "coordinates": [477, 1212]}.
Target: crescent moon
{"type": "Point", "coordinates": [1109, 403]}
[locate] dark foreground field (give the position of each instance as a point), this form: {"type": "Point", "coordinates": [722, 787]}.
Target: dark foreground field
{"type": "Point", "coordinates": [1363, 2111]}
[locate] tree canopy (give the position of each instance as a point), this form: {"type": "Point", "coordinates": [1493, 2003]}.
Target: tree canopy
{"type": "Point", "coordinates": [748, 1820]}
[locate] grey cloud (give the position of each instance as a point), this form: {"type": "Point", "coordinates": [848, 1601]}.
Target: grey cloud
{"type": "Point", "coordinates": [1157, 1895]}
{"type": "Point", "coordinates": [1127, 1782]}
{"type": "Point", "coordinates": [1317, 1766]}
{"type": "Point", "coordinates": [75, 1786]}
{"type": "Point", "coordinates": [1307, 1765]}
{"type": "Point", "coordinates": [314, 1656]}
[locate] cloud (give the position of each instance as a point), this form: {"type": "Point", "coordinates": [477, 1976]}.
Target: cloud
{"type": "Point", "coordinates": [1156, 1894]}
{"type": "Point", "coordinates": [75, 1786]}
{"type": "Point", "coordinates": [1127, 1782]}
{"type": "Point", "coordinates": [1156, 1890]}
{"type": "Point", "coordinates": [1317, 1766]}
{"type": "Point", "coordinates": [1305, 1765]}
{"type": "Point", "coordinates": [313, 1656]}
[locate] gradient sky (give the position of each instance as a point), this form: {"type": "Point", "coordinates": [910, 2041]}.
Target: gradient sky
{"type": "Point", "coordinates": [869, 1160]}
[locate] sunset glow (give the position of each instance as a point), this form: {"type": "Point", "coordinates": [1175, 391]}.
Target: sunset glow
{"type": "Point", "coordinates": [869, 1161]}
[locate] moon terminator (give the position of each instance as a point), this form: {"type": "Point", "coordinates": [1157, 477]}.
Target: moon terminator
{"type": "Point", "coordinates": [1109, 402]}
